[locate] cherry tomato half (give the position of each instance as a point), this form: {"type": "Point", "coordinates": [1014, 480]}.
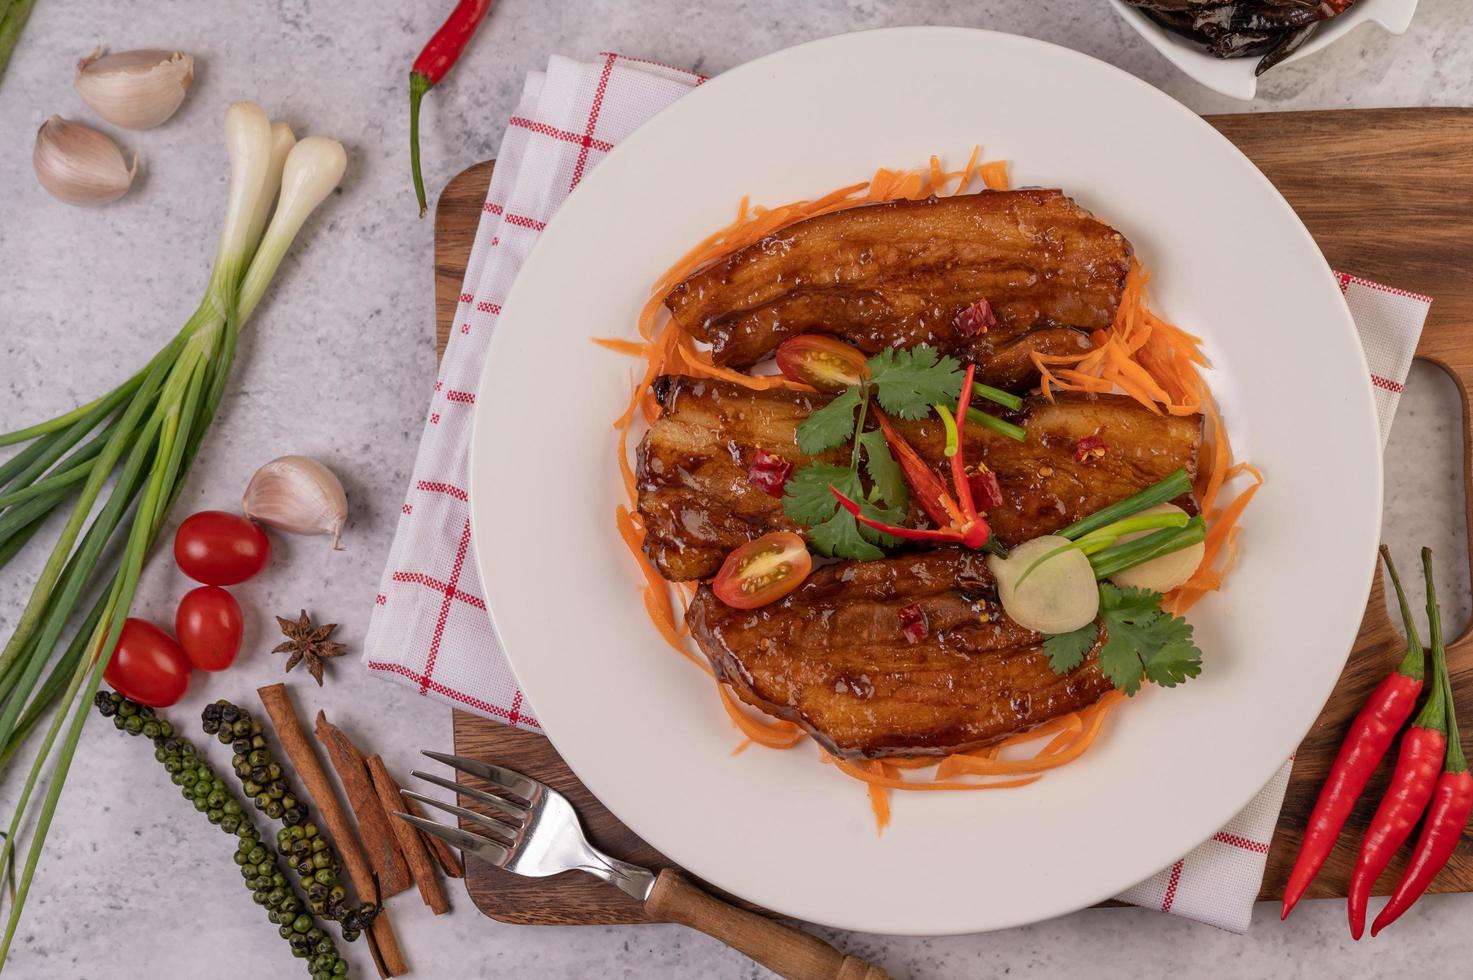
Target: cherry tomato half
{"type": "Point", "coordinates": [208, 625]}
{"type": "Point", "coordinates": [218, 548]}
{"type": "Point", "coordinates": [147, 665]}
{"type": "Point", "coordinates": [823, 362]}
{"type": "Point", "coordinates": [763, 570]}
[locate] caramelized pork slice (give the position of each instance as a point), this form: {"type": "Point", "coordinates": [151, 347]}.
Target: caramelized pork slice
{"type": "Point", "coordinates": [697, 503]}
{"type": "Point", "coordinates": [837, 658]}
{"type": "Point", "coordinates": [898, 274]}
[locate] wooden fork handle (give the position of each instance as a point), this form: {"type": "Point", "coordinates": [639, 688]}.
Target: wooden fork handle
{"type": "Point", "coordinates": [782, 949]}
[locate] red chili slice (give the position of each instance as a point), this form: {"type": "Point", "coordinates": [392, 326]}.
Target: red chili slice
{"type": "Point", "coordinates": [976, 318]}
{"type": "Point", "coordinates": [1090, 447]}
{"type": "Point", "coordinates": [913, 623]}
{"type": "Point", "coordinates": [763, 570]}
{"type": "Point", "coordinates": [986, 491]}
{"type": "Point", "coordinates": [768, 472]}
{"type": "Point", "coordinates": [823, 362]}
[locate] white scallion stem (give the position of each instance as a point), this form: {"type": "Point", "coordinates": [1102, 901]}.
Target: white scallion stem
{"type": "Point", "coordinates": [282, 141]}
{"type": "Point", "coordinates": [313, 169]}
{"type": "Point", "coordinates": [248, 143]}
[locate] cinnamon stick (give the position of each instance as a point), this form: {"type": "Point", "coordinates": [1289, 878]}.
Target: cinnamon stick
{"type": "Point", "coordinates": [374, 830]}
{"type": "Point", "coordinates": [294, 742]}
{"type": "Point", "coordinates": [415, 852]}
{"type": "Point", "coordinates": [444, 854]}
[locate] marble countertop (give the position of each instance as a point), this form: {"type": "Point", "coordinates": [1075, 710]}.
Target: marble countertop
{"type": "Point", "coordinates": [338, 364]}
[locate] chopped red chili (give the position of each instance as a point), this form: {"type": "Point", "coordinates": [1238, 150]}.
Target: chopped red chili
{"type": "Point", "coordinates": [985, 489]}
{"type": "Point", "coordinates": [768, 472]}
{"type": "Point", "coordinates": [913, 623]}
{"type": "Point", "coordinates": [1090, 447]}
{"type": "Point", "coordinates": [976, 318]}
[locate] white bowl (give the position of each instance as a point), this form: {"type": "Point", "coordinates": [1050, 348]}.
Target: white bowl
{"type": "Point", "coordinates": [1234, 77]}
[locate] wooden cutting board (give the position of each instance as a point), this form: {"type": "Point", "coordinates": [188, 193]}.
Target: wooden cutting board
{"type": "Point", "coordinates": [1388, 194]}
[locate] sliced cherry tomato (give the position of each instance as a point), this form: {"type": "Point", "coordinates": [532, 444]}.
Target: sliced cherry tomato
{"type": "Point", "coordinates": [763, 570]}
{"type": "Point", "coordinates": [823, 362]}
{"type": "Point", "coordinates": [209, 626]}
{"type": "Point", "coordinates": [147, 665]}
{"type": "Point", "coordinates": [218, 548]}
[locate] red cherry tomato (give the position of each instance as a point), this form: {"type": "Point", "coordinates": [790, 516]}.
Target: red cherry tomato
{"type": "Point", "coordinates": [147, 665]}
{"type": "Point", "coordinates": [208, 625]}
{"type": "Point", "coordinates": [823, 362]}
{"type": "Point", "coordinates": [763, 570]}
{"type": "Point", "coordinates": [217, 548]}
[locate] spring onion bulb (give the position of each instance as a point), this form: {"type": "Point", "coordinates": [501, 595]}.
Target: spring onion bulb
{"type": "Point", "coordinates": [1059, 597]}
{"type": "Point", "coordinates": [140, 439]}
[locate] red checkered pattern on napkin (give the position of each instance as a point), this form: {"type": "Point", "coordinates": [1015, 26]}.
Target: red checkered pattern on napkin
{"type": "Point", "coordinates": [430, 627]}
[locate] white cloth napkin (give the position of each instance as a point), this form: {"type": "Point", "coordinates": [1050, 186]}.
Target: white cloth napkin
{"type": "Point", "coordinates": [430, 627]}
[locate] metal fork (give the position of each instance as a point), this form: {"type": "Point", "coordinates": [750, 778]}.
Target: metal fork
{"type": "Point", "coordinates": [537, 833]}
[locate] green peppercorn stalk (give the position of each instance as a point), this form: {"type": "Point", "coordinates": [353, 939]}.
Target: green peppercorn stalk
{"type": "Point", "coordinates": [299, 840]}
{"type": "Point", "coordinates": [209, 795]}
{"type": "Point", "coordinates": [143, 436]}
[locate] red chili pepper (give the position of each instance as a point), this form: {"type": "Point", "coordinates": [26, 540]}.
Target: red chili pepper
{"type": "Point", "coordinates": [956, 518]}
{"type": "Point", "coordinates": [433, 62]}
{"type": "Point", "coordinates": [1452, 799]}
{"type": "Point", "coordinates": [1370, 735]}
{"type": "Point", "coordinates": [1412, 782]}
{"type": "Point", "coordinates": [769, 472]}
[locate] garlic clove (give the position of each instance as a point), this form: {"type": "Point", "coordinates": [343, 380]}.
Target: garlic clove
{"type": "Point", "coordinates": [299, 495]}
{"type": "Point", "coordinates": [135, 89]}
{"type": "Point", "coordinates": [79, 165]}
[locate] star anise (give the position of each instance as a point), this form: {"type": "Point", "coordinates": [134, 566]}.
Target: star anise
{"type": "Point", "coordinates": [310, 643]}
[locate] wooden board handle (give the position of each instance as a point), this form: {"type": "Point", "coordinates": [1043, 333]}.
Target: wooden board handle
{"type": "Point", "coordinates": [782, 949]}
{"type": "Point", "coordinates": [1444, 343]}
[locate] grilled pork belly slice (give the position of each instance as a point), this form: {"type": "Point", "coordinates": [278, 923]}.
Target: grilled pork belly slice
{"type": "Point", "coordinates": [909, 655]}
{"type": "Point", "coordinates": [897, 275]}
{"type": "Point", "coordinates": [697, 503]}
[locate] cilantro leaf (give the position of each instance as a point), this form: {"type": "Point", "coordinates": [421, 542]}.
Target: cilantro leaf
{"type": "Point", "coordinates": [1066, 650]}
{"type": "Point", "coordinates": [830, 426]}
{"type": "Point", "coordinates": [806, 496]}
{"type": "Point", "coordinates": [1144, 640]}
{"type": "Point", "coordinates": [885, 515]}
{"type": "Point", "coordinates": [909, 382]}
{"type": "Point", "coordinates": [842, 537]}
{"type": "Point", "coordinates": [884, 473]}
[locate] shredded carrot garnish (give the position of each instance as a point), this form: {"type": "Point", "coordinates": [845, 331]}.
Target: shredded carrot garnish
{"type": "Point", "coordinates": [1153, 361]}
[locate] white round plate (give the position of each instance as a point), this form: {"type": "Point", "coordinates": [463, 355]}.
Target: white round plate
{"type": "Point", "coordinates": [644, 729]}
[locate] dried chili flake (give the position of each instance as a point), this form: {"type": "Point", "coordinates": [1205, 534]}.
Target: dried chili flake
{"type": "Point", "coordinates": [1088, 448]}
{"type": "Point", "coordinates": [768, 472]}
{"type": "Point", "coordinates": [913, 623]}
{"type": "Point", "coordinates": [976, 318]}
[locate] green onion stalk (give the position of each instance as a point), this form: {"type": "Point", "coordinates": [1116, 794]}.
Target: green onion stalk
{"type": "Point", "coordinates": [143, 435]}
{"type": "Point", "coordinates": [13, 16]}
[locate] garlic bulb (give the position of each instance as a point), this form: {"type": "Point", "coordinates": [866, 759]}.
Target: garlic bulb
{"type": "Point", "coordinates": [79, 165]}
{"type": "Point", "coordinates": [299, 495]}
{"type": "Point", "coordinates": [134, 89]}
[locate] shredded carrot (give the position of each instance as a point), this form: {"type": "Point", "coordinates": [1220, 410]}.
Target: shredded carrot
{"type": "Point", "coordinates": [1140, 354]}
{"type": "Point", "coordinates": [772, 734]}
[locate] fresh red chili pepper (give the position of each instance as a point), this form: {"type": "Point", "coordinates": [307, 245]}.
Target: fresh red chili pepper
{"type": "Point", "coordinates": [1417, 767]}
{"type": "Point", "coordinates": [433, 62]}
{"type": "Point", "coordinates": [956, 518]}
{"type": "Point", "coordinates": [1370, 735]}
{"type": "Point", "coordinates": [768, 472]}
{"type": "Point", "coordinates": [1452, 799]}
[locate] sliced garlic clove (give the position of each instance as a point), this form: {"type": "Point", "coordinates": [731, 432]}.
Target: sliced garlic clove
{"type": "Point", "coordinates": [1166, 572]}
{"type": "Point", "coordinates": [1059, 596]}
{"type": "Point", "coordinates": [135, 89]}
{"type": "Point", "coordinates": [79, 165]}
{"type": "Point", "coordinates": [299, 495]}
